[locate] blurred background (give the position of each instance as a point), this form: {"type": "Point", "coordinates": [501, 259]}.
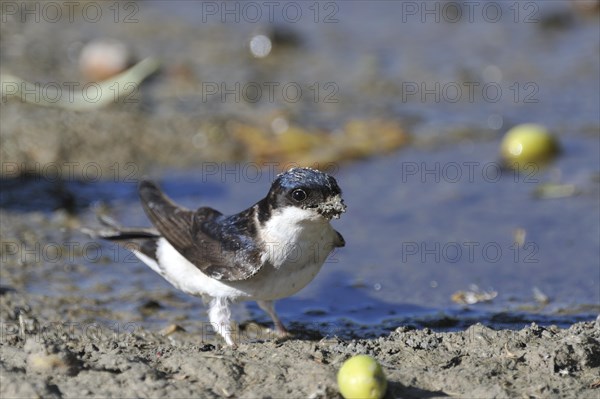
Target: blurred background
{"type": "Point", "coordinates": [450, 220]}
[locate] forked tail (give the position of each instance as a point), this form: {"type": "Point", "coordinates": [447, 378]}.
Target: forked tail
{"type": "Point", "coordinates": [140, 239]}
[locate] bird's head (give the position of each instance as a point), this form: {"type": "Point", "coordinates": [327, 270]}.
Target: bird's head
{"type": "Point", "coordinates": [308, 189]}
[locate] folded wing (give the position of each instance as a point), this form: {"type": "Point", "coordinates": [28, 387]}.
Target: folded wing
{"type": "Point", "coordinates": [216, 248]}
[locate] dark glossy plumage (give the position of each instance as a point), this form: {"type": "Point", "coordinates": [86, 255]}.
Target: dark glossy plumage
{"type": "Point", "coordinates": [221, 247]}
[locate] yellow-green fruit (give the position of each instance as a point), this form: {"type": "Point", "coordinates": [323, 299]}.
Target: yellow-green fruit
{"type": "Point", "coordinates": [528, 143]}
{"type": "Point", "coordinates": [362, 377]}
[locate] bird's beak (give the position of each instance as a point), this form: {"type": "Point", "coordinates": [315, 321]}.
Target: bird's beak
{"type": "Point", "coordinates": [332, 208]}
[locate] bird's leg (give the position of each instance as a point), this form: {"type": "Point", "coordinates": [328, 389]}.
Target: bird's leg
{"type": "Point", "coordinates": [268, 306]}
{"type": "Point", "coordinates": [219, 314]}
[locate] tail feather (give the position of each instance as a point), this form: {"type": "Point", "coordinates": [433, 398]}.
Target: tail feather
{"type": "Point", "coordinates": [115, 232]}
{"type": "Point", "coordinates": [136, 239]}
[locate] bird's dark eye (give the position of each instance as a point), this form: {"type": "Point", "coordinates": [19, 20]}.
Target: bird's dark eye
{"type": "Point", "coordinates": [299, 195]}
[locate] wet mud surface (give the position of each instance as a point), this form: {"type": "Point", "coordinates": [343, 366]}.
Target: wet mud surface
{"type": "Point", "coordinates": [43, 356]}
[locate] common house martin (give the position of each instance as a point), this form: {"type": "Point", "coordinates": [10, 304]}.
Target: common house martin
{"type": "Point", "coordinates": [269, 251]}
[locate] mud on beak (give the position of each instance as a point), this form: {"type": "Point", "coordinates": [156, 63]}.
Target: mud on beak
{"type": "Point", "coordinates": [332, 208]}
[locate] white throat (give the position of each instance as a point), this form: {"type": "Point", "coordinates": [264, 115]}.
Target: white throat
{"type": "Point", "coordinates": [295, 238]}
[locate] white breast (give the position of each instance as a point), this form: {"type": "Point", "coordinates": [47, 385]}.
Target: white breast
{"type": "Point", "coordinates": [298, 242]}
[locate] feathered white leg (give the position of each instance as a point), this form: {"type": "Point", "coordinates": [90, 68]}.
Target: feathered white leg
{"type": "Point", "coordinates": [219, 314]}
{"type": "Point", "coordinates": [269, 307]}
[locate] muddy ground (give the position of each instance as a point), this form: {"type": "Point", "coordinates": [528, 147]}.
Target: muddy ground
{"type": "Point", "coordinates": [44, 355]}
